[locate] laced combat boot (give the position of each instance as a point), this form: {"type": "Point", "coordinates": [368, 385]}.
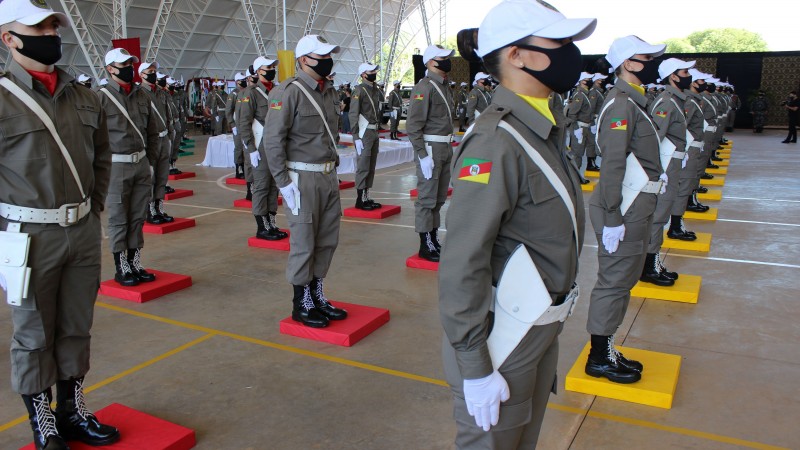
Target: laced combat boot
{"type": "Point", "coordinates": [678, 231]}
{"type": "Point", "coordinates": [369, 201]}
{"type": "Point", "coordinates": [160, 208]}
{"type": "Point", "coordinates": [74, 419]}
{"type": "Point", "coordinates": [124, 275]}
{"type": "Point", "coordinates": [43, 421]}
{"type": "Point", "coordinates": [427, 249]}
{"type": "Point", "coordinates": [606, 361]}
{"type": "Point", "coordinates": [303, 309]}
{"type": "Point", "coordinates": [322, 304]}
{"type": "Point", "coordinates": [135, 263]}
{"type": "Point", "coordinates": [153, 216]}
{"type": "Point", "coordinates": [362, 201]}
{"type": "Point", "coordinates": [651, 272]}
{"type": "Point", "coordinates": [272, 227]}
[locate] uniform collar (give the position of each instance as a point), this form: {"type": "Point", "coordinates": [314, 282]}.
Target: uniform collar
{"type": "Point", "coordinates": [368, 85]}
{"type": "Point", "coordinates": [635, 95]}
{"type": "Point", "coordinates": [312, 83]}
{"type": "Point", "coordinates": [23, 77]}
{"type": "Point", "coordinates": [435, 77]}
{"type": "Point", "coordinates": [115, 87]}
{"type": "Point", "coordinates": [675, 91]}
{"type": "Point", "coordinates": [524, 112]}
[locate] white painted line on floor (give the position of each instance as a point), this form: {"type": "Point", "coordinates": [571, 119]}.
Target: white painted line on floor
{"type": "Point", "coordinates": [221, 183]}
{"type": "Point", "coordinates": [206, 214]}
{"type": "Point", "coordinates": [760, 199]}
{"type": "Point", "coordinates": [760, 223]}
{"type": "Point", "coordinates": [741, 261]}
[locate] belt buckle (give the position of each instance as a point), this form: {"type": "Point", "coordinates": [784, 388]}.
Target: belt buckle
{"type": "Point", "coordinates": [329, 166]}
{"type": "Point", "coordinates": [450, 139]}
{"type": "Point", "coordinates": [135, 158]}
{"type": "Point", "coordinates": [70, 214]}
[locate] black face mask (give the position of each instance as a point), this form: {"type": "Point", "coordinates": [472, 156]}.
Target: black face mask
{"type": "Point", "coordinates": [323, 67]}
{"type": "Point", "coordinates": [253, 79]}
{"type": "Point", "coordinates": [162, 82]}
{"type": "Point", "coordinates": [711, 88]}
{"type": "Point", "coordinates": [269, 75]}
{"type": "Point", "coordinates": [683, 83]}
{"type": "Point", "coordinates": [150, 78]}
{"type": "Point", "coordinates": [242, 83]}
{"type": "Point", "coordinates": [444, 65]}
{"type": "Point", "coordinates": [371, 77]}
{"type": "Point", "coordinates": [649, 73]}
{"type": "Point", "coordinates": [172, 88]}
{"type": "Point", "coordinates": [125, 74]}
{"type": "Point", "coordinates": [564, 69]}
{"type": "Point", "coordinates": [42, 49]}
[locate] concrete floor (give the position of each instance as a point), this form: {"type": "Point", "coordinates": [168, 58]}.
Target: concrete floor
{"type": "Point", "coordinates": [211, 357]}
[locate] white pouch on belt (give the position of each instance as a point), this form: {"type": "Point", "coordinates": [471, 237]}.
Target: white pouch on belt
{"type": "Point", "coordinates": [689, 140]}
{"type": "Point", "coordinates": [363, 123]}
{"type": "Point", "coordinates": [295, 177]}
{"type": "Point", "coordinates": [666, 148]}
{"type": "Point", "coordinates": [258, 132]}
{"type": "Point", "coordinates": [13, 265]}
{"type": "Point", "coordinates": [634, 181]}
{"type": "Point", "coordinates": [520, 298]}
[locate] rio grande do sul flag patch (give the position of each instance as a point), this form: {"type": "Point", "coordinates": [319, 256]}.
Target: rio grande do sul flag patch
{"type": "Point", "coordinates": [661, 113]}
{"type": "Point", "coordinates": [475, 170]}
{"type": "Point", "coordinates": [418, 96]}
{"type": "Point", "coordinates": [274, 104]}
{"type": "Point", "coordinates": [619, 124]}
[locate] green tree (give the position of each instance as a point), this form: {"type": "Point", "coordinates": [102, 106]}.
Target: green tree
{"type": "Point", "coordinates": [727, 40]}
{"type": "Point", "coordinates": [679, 45]}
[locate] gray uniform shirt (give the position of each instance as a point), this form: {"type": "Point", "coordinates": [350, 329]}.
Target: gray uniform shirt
{"type": "Point", "coordinates": [217, 102]}
{"type": "Point", "coordinates": [477, 100]}
{"type": "Point", "coordinates": [580, 107]}
{"type": "Point", "coordinates": [486, 222]}
{"type": "Point", "coordinates": [159, 99]}
{"type": "Point", "coordinates": [365, 101]}
{"type": "Point", "coordinates": [596, 98]}
{"type": "Point", "coordinates": [667, 112]}
{"type": "Point", "coordinates": [122, 136]}
{"type": "Point", "coordinates": [694, 114]}
{"type": "Point", "coordinates": [295, 131]}
{"type": "Point", "coordinates": [254, 106]}
{"type": "Point", "coordinates": [230, 105]}
{"type": "Point", "coordinates": [428, 112]}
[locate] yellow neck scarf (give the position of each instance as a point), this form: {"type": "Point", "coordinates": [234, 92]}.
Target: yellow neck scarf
{"type": "Point", "coordinates": [541, 105]}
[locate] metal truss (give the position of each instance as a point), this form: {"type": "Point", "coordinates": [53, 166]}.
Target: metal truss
{"type": "Point", "coordinates": [85, 41]}
{"type": "Point", "coordinates": [247, 5]}
{"type": "Point", "coordinates": [312, 14]}
{"type": "Point", "coordinates": [442, 21]}
{"type": "Point", "coordinates": [120, 29]}
{"type": "Point", "coordinates": [159, 30]}
{"type": "Point", "coordinates": [425, 21]}
{"type": "Point", "coordinates": [395, 38]}
{"type": "Point", "coordinates": [359, 31]}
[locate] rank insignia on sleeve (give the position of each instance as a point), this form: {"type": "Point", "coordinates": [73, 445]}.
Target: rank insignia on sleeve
{"type": "Point", "coordinates": [475, 170]}
{"type": "Point", "coordinates": [661, 113]}
{"type": "Point", "coordinates": [418, 96]}
{"type": "Point", "coordinates": [274, 104]}
{"type": "Point", "coordinates": [619, 124]}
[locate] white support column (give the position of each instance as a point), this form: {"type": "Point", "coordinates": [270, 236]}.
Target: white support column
{"type": "Point", "coordinates": [158, 31]}
{"type": "Point", "coordinates": [120, 30]}
{"type": "Point", "coordinates": [395, 37]}
{"type": "Point", "coordinates": [93, 58]}
{"type": "Point", "coordinates": [247, 5]}
{"type": "Point", "coordinates": [312, 14]}
{"type": "Point", "coordinates": [359, 30]}
{"type": "Point", "coordinates": [425, 21]}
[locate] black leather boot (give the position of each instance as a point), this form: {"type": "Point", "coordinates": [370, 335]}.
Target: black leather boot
{"type": "Point", "coordinates": [427, 249]}
{"type": "Point", "coordinates": [75, 421]}
{"type": "Point", "coordinates": [322, 304]}
{"type": "Point", "coordinates": [436, 243]}
{"type": "Point", "coordinates": [249, 195]}
{"type": "Point", "coordinates": [678, 231]}
{"type": "Point", "coordinates": [153, 216]}
{"type": "Point", "coordinates": [694, 206]}
{"type": "Point", "coordinates": [716, 158]}
{"type": "Point", "coordinates": [240, 171]}
{"type": "Point", "coordinates": [272, 226]}
{"type": "Point", "coordinates": [605, 361]}
{"type": "Point", "coordinates": [710, 165]}
{"type": "Point", "coordinates": [160, 208]}
{"type": "Point", "coordinates": [135, 262]}
{"type": "Point", "coordinates": [361, 201]}
{"type": "Point", "coordinates": [303, 309]}
{"type": "Point", "coordinates": [701, 190]}
{"type": "Point", "coordinates": [590, 164]}
{"type": "Point", "coordinates": [43, 422]}
{"type": "Point", "coordinates": [263, 231]}
{"type": "Point", "coordinates": [370, 201]}
{"type": "Point", "coordinates": [663, 270]}
{"type": "Point", "coordinates": [706, 176]}
{"type": "Point", "coordinates": [124, 275]}
{"type": "Point", "coordinates": [169, 189]}
{"type": "Point", "coordinates": [651, 272]}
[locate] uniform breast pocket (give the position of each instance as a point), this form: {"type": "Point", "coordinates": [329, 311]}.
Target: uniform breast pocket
{"type": "Point", "coordinates": [23, 138]}
{"type": "Point", "coordinates": [308, 120]}
{"type": "Point", "coordinates": [548, 210]}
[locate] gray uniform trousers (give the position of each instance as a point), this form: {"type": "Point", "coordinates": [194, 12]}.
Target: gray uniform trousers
{"type": "Point", "coordinates": [394, 123]}
{"type": "Point", "coordinates": [618, 272]}
{"type": "Point", "coordinates": [530, 372]}
{"type": "Point", "coordinates": [161, 169]}
{"type": "Point", "coordinates": [314, 231]}
{"type": "Point", "coordinates": [248, 168]}
{"type": "Point", "coordinates": [126, 203]}
{"type": "Point", "coordinates": [176, 146]}
{"type": "Point", "coordinates": [591, 144]}
{"type": "Point", "coordinates": [709, 145]}
{"type": "Point", "coordinates": [432, 194]}
{"type": "Point", "coordinates": [238, 149]}
{"type": "Point", "coordinates": [688, 182]}
{"type": "Point", "coordinates": [365, 164]}
{"type": "Point", "coordinates": [578, 148]}
{"type": "Point", "coordinates": [664, 204]}
{"type": "Point", "coordinates": [219, 121]}
{"type": "Point", "coordinates": [265, 191]}
{"type": "Point", "coordinates": [52, 327]}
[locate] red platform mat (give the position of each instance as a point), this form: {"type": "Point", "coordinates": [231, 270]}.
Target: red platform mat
{"type": "Point", "coordinates": [236, 181]}
{"type": "Point", "coordinates": [182, 176]}
{"type": "Point", "coordinates": [415, 193]}
{"type": "Point", "coordinates": [361, 321]}
{"type": "Point", "coordinates": [166, 283]}
{"type": "Point", "coordinates": [164, 228]}
{"type": "Point", "coordinates": [346, 185]}
{"type": "Point", "coordinates": [179, 193]}
{"type": "Point", "coordinates": [382, 213]}
{"type": "Point", "coordinates": [281, 245]}
{"type": "Point", "coordinates": [415, 262]}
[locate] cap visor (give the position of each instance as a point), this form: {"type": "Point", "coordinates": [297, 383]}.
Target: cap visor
{"type": "Point", "coordinates": [653, 50]}
{"type": "Point", "coordinates": [577, 29]}
{"type": "Point", "coordinates": [37, 18]}
{"type": "Point", "coordinates": [327, 49]}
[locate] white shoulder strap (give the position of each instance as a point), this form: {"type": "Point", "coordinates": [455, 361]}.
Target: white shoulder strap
{"type": "Point", "coordinates": [449, 112]}
{"type": "Point", "coordinates": [163, 122]}
{"type": "Point", "coordinates": [263, 94]}
{"type": "Point", "coordinates": [124, 113]}
{"type": "Point", "coordinates": [364, 90]}
{"type": "Point", "coordinates": [319, 110]}
{"type": "Point", "coordinates": [48, 123]}
{"type": "Point", "coordinates": [548, 172]}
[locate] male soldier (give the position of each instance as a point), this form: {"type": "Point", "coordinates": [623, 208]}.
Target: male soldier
{"type": "Point", "coordinates": [54, 193]}
{"type": "Point", "coordinates": [382, 106]}
{"type": "Point", "coordinates": [430, 129]}
{"type": "Point", "coordinates": [252, 115]}
{"type": "Point", "coordinates": [178, 119]}
{"type": "Point", "coordinates": [133, 133]}
{"type": "Point", "coordinates": [596, 98]}
{"type": "Point", "coordinates": [555, 101]}
{"type": "Point", "coordinates": [165, 127]}
{"type": "Point", "coordinates": [668, 113]}
{"type": "Point", "coordinates": [622, 221]}
{"type": "Point", "coordinates": [461, 99]}
{"type": "Point", "coordinates": [580, 112]}
{"type": "Point", "coordinates": [184, 107]}
{"type": "Point", "coordinates": [301, 151]}
{"type": "Point", "coordinates": [243, 94]}
{"type": "Point", "coordinates": [85, 80]}
{"type": "Point", "coordinates": [364, 117]}
{"type": "Point", "coordinates": [479, 97]}
{"type": "Point", "coordinates": [396, 106]}
{"type": "Point", "coordinates": [216, 104]}
{"type": "Point", "coordinates": [736, 103]}
{"type": "Point", "coordinates": [711, 115]}
{"type": "Point", "coordinates": [652, 93]}
{"type": "Point", "coordinates": [230, 115]}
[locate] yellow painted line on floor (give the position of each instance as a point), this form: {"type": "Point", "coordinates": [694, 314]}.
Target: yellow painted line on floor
{"type": "Point", "coordinates": [437, 382]}
{"type": "Point", "coordinates": [116, 377]}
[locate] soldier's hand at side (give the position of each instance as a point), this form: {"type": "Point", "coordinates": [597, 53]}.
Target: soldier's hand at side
{"type": "Point", "coordinates": [254, 158]}
{"type": "Point", "coordinates": [234, 131]}
{"type": "Point", "coordinates": [483, 397]}
{"type": "Point", "coordinates": [685, 160]}
{"type": "Point", "coordinates": [359, 146]}
{"type": "Point", "coordinates": [663, 177]}
{"type": "Point", "coordinates": [426, 164]}
{"type": "Point", "coordinates": [291, 195]}
{"type": "Point", "coordinates": [612, 236]}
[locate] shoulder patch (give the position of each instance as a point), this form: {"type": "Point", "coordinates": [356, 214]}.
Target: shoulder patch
{"type": "Point", "coordinates": [661, 113]}
{"type": "Point", "coordinates": [619, 124]}
{"type": "Point", "coordinates": [275, 104]}
{"type": "Point", "coordinates": [418, 96]}
{"type": "Point", "coordinates": [475, 170]}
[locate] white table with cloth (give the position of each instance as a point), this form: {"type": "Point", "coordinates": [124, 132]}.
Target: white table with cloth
{"type": "Point", "coordinates": [219, 153]}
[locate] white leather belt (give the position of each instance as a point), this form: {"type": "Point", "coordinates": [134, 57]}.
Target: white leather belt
{"type": "Point", "coordinates": [372, 126]}
{"type": "Point", "coordinates": [163, 133]}
{"type": "Point", "coordinates": [326, 167]}
{"type": "Point", "coordinates": [652, 187]}
{"type": "Point", "coordinates": [131, 159]}
{"type": "Point", "coordinates": [220, 109]}
{"type": "Point", "coordinates": [437, 138]}
{"type": "Point", "coordinates": [65, 216]}
{"type": "Point", "coordinates": [560, 312]}
{"type": "Point", "coordinates": [696, 144]}
{"type": "Point", "coordinates": [678, 155]}
{"type": "Point", "coordinates": [583, 124]}
{"type": "Point", "coordinates": [711, 128]}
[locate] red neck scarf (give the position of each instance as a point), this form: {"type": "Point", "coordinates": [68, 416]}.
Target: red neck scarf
{"type": "Point", "coordinates": [268, 85]}
{"type": "Point", "coordinates": [127, 88]}
{"type": "Point", "coordinates": [321, 84]}
{"type": "Point", "coordinates": [49, 80]}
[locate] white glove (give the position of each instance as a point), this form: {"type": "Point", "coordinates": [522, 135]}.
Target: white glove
{"type": "Point", "coordinates": [291, 195]}
{"type": "Point", "coordinates": [426, 164]}
{"type": "Point", "coordinates": [612, 236]}
{"type": "Point", "coordinates": [393, 115]}
{"type": "Point", "coordinates": [217, 118]}
{"type": "Point", "coordinates": [685, 160]}
{"type": "Point", "coordinates": [234, 131]}
{"type": "Point", "coordinates": [359, 146]}
{"type": "Point", "coordinates": [483, 397]}
{"type": "Point", "coordinates": [579, 134]}
{"type": "Point", "coordinates": [2, 282]}
{"type": "Point", "coordinates": [255, 157]}
{"type": "Point", "coordinates": [594, 129]}
{"type": "Point", "coordinates": [663, 177]}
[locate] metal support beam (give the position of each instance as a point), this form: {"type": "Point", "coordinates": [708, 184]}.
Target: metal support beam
{"type": "Point", "coordinates": [395, 37]}
{"type": "Point", "coordinates": [312, 14]}
{"type": "Point", "coordinates": [93, 58]}
{"type": "Point", "coordinates": [425, 21]}
{"type": "Point", "coordinates": [120, 30]}
{"type": "Point", "coordinates": [191, 33]}
{"type": "Point", "coordinates": [159, 30]}
{"type": "Point", "coordinates": [442, 21]}
{"type": "Point", "coordinates": [247, 5]}
{"type": "Point", "coordinates": [359, 30]}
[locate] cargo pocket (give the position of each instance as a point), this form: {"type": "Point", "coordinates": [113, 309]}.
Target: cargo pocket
{"type": "Point", "coordinates": [301, 217]}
